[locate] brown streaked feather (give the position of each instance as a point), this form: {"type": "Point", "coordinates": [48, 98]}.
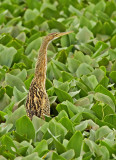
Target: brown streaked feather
{"type": "Point", "coordinates": [37, 100]}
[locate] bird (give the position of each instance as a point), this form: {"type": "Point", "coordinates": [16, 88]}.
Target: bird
{"type": "Point", "coordinates": [37, 102]}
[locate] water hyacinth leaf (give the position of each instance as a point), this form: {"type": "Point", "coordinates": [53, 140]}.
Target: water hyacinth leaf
{"type": "Point", "coordinates": [56, 71]}
{"type": "Point", "coordinates": [110, 7]}
{"type": "Point", "coordinates": [99, 110]}
{"type": "Point", "coordinates": [67, 123]}
{"type": "Point", "coordinates": [21, 111]}
{"type": "Point", "coordinates": [63, 86]}
{"type": "Point", "coordinates": [104, 81]}
{"type": "Point", "coordinates": [102, 132]}
{"type": "Point", "coordinates": [56, 157]}
{"type": "Point", "coordinates": [71, 106]}
{"type": "Point", "coordinates": [112, 54]}
{"type": "Point", "coordinates": [105, 99]}
{"type": "Point", "coordinates": [41, 148]}
{"type": "Point", "coordinates": [6, 55]}
{"type": "Point", "coordinates": [59, 146]}
{"type": "Point", "coordinates": [93, 81]}
{"type": "Point", "coordinates": [60, 65]}
{"type": "Point", "coordinates": [65, 41]}
{"type": "Point", "coordinates": [76, 142]}
{"type": "Point", "coordinates": [35, 44]}
{"type": "Point", "coordinates": [22, 75]}
{"type": "Point", "coordinates": [73, 64]}
{"type": "Point", "coordinates": [100, 48]}
{"type": "Point", "coordinates": [62, 95]}
{"type": "Point", "coordinates": [111, 119]}
{"type": "Point", "coordinates": [83, 69]}
{"type": "Point", "coordinates": [99, 74]}
{"type": "Point", "coordinates": [62, 114]}
{"type": "Point", "coordinates": [2, 92]}
{"type": "Point", "coordinates": [77, 118]}
{"type": "Point", "coordinates": [37, 122]}
{"type": "Point", "coordinates": [2, 158]}
{"type": "Point", "coordinates": [4, 101]}
{"type": "Point", "coordinates": [85, 22]}
{"type": "Point", "coordinates": [5, 129]}
{"type": "Point", "coordinates": [31, 156]}
{"type": "Point", "coordinates": [25, 127]}
{"type": "Point", "coordinates": [87, 82]}
{"type": "Point", "coordinates": [83, 102]}
{"type": "Point", "coordinates": [103, 90]}
{"type": "Point", "coordinates": [14, 81]}
{"type": "Point", "coordinates": [18, 95]}
{"type": "Point", "coordinates": [112, 42]}
{"type": "Point", "coordinates": [66, 76]}
{"type": "Point", "coordinates": [113, 76]}
{"type": "Point", "coordinates": [57, 129]}
{"type": "Point", "coordinates": [86, 124]}
{"type": "Point", "coordinates": [61, 107]}
{"type": "Point", "coordinates": [5, 38]}
{"type": "Point", "coordinates": [2, 118]}
{"type": "Point", "coordinates": [62, 57]}
{"type": "Point", "coordinates": [29, 15]}
{"type": "Point", "coordinates": [8, 142]}
{"type": "Point", "coordinates": [95, 149]}
{"type": "Point", "coordinates": [84, 35]}
{"type": "Point", "coordinates": [68, 154]}
{"type": "Point", "coordinates": [55, 24]}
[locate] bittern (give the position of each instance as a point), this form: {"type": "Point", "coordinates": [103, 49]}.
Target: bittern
{"type": "Point", "coordinates": [37, 100]}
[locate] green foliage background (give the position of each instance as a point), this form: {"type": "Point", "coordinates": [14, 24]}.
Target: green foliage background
{"type": "Point", "coordinates": [81, 77]}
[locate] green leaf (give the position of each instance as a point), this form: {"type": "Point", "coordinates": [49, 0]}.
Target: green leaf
{"type": "Point", "coordinates": [35, 44]}
{"type": "Point", "coordinates": [68, 154]}
{"type": "Point", "coordinates": [67, 123]}
{"type": "Point", "coordinates": [66, 76]}
{"type": "Point", "coordinates": [105, 99]}
{"type": "Point", "coordinates": [8, 142]}
{"type": "Point", "coordinates": [76, 142]}
{"type": "Point", "coordinates": [85, 124]}
{"type": "Point", "coordinates": [113, 76]}
{"type": "Point", "coordinates": [29, 15]}
{"type": "Point", "coordinates": [16, 115]}
{"type": "Point", "coordinates": [103, 90]}
{"type": "Point", "coordinates": [55, 24]}
{"type": "Point", "coordinates": [57, 157]}
{"type": "Point", "coordinates": [73, 64]}
{"type": "Point", "coordinates": [85, 22]}
{"type": "Point", "coordinates": [33, 156]}
{"type": "Point", "coordinates": [22, 75]}
{"type": "Point", "coordinates": [84, 35]}
{"type": "Point", "coordinates": [6, 55]}
{"type": "Point", "coordinates": [62, 95]}
{"type": "Point", "coordinates": [102, 132]}
{"type": "Point", "coordinates": [59, 146]}
{"type": "Point", "coordinates": [14, 81]}
{"type": "Point", "coordinates": [84, 69]}
{"type": "Point", "coordinates": [25, 127]}
{"type": "Point", "coordinates": [37, 122]}
{"type": "Point", "coordinates": [111, 119]}
{"type": "Point", "coordinates": [18, 95]}
{"type": "Point", "coordinates": [57, 129]}
{"type": "Point", "coordinates": [41, 148]}
{"type": "Point", "coordinates": [112, 41]}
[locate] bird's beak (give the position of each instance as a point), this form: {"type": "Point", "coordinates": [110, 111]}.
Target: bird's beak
{"type": "Point", "coordinates": [64, 33]}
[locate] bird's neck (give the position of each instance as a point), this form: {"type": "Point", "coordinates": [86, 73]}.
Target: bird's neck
{"type": "Point", "coordinates": [41, 65]}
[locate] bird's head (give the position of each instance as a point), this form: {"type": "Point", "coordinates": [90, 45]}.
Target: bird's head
{"type": "Point", "coordinates": [55, 35]}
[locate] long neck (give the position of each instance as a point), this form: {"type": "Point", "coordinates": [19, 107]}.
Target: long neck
{"type": "Point", "coordinates": [41, 65]}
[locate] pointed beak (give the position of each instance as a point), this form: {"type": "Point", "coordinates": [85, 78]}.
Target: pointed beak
{"type": "Point", "coordinates": [63, 33]}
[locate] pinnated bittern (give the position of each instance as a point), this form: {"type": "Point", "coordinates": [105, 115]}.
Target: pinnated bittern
{"type": "Point", "coordinates": [37, 100]}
